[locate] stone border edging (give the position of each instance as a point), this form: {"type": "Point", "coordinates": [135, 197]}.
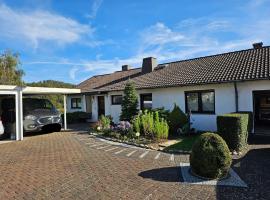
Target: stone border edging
{"type": "Point", "coordinates": [139, 145]}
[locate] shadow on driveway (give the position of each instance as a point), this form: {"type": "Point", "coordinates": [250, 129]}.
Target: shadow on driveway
{"type": "Point", "coordinates": [166, 174]}
{"type": "Point", "coordinates": [254, 169]}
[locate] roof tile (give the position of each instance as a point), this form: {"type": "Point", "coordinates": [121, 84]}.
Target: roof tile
{"type": "Point", "coordinates": [250, 64]}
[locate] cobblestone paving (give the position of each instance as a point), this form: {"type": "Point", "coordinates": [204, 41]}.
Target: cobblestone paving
{"type": "Point", "coordinates": [68, 166]}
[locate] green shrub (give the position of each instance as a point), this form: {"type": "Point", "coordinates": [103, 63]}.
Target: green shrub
{"type": "Point", "coordinates": [147, 122]}
{"type": "Point", "coordinates": [210, 156]}
{"type": "Point", "coordinates": [137, 124]}
{"type": "Point", "coordinates": [233, 128]}
{"type": "Point", "coordinates": [104, 122]}
{"type": "Point", "coordinates": [177, 119]}
{"type": "Point", "coordinates": [151, 125]}
{"type": "Point", "coordinates": [129, 106]}
{"type": "Point", "coordinates": [250, 120]}
{"type": "Point", "coordinates": [76, 117]}
{"type": "Point", "coordinates": [163, 113]}
{"type": "Point", "coordinates": [161, 128]}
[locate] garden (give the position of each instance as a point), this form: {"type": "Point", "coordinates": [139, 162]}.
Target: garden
{"type": "Point", "coordinates": [151, 128]}
{"type": "Point", "coordinates": [210, 153]}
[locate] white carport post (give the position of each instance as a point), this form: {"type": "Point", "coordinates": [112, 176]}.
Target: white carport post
{"type": "Point", "coordinates": [19, 114]}
{"type": "Point", "coordinates": [65, 112]}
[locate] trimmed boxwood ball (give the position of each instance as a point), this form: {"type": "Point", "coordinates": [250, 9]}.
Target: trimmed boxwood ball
{"type": "Point", "coordinates": [210, 157]}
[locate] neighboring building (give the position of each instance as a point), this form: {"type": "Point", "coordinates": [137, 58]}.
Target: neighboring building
{"type": "Point", "coordinates": [208, 86]}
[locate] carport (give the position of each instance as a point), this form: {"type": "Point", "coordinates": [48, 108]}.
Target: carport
{"type": "Point", "coordinates": [18, 91]}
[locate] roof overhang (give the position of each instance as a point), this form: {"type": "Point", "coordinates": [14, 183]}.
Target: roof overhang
{"type": "Point", "coordinates": [40, 90]}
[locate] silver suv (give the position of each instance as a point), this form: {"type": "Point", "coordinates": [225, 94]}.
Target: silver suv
{"type": "Point", "coordinates": [40, 115]}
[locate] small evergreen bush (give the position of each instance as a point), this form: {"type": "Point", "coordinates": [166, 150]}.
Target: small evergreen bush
{"type": "Point", "coordinates": [233, 128]}
{"type": "Point", "coordinates": [210, 156]}
{"type": "Point", "coordinates": [147, 121]}
{"type": "Point", "coordinates": [161, 128]}
{"type": "Point", "coordinates": [177, 119]}
{"type": "Point", "coordinates": [151, 125]}
{"type": "Point", "coordinates": [104, 122]}
{"type": "Point", "coordinates": [162, 112]}
{"type": "Point", "coordinates": [129, 106]}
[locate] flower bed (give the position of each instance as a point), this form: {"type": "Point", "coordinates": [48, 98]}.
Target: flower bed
{"type": "Point", "coordinates": [141, 142]}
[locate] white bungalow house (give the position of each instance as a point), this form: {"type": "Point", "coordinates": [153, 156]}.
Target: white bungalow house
{"type": "Point", "coordinates": [207, 86]}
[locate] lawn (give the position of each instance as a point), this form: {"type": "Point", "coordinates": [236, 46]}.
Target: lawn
{"type": "Point", "coordinates": [185, 143]}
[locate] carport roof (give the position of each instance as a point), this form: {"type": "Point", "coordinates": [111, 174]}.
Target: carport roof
{"type": "Point", "coordinates": [40, 90]}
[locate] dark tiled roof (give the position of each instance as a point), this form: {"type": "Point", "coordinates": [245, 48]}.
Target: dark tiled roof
{"type": "Point", "coordinates": [250, 64]}
{"type": "Point", "coordinates": [94, 83]}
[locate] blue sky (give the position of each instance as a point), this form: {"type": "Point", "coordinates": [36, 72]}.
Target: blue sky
{"type": "Point", "coordinates": [73, 40]}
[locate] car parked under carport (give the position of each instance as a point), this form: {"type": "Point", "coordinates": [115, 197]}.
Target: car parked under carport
{"type": "Point", "coordinates": [15, 113]}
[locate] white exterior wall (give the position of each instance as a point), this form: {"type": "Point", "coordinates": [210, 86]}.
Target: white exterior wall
{"type": "Point", "coordinates": [224, 102]}
{"type": "Point", "coordinates": [166, 97]}
{"type": "Point", "coordinates": [245, 90]}
{"type": "Point", "coordinates": [83, 107]}
{"type": "Point", "coordinates": [114, 110]}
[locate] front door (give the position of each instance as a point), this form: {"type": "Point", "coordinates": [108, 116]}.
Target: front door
{"type": "Point", "coordinates": [101, 106]}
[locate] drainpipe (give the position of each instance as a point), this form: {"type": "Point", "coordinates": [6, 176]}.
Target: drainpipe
{"type": "Point", "coordinates": [236, 97]}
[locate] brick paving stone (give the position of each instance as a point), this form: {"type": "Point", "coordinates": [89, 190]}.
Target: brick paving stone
{"type": "Point", "coordinates": [60, 166]}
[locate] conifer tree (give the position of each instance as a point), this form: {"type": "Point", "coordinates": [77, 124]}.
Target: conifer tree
{"type": "Point", "coordinates": [129, 103]}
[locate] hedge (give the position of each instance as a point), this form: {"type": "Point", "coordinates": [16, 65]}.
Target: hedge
{"type": "Point", "coordinates": [233, 128]}
{"type": "Point", "coordinates": [250, 119]}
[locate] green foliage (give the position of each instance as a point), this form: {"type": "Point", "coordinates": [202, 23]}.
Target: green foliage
{"type": "Point", "coordinates": [137, 124]}
{"type": "Point", "coordinates": [51, 83]}
{"type": "Point", "coordinates": [104, 122]}
{"type": "Point", "coordinates": [130, 103]}
{"type": "Point", "coordinates": [57, 100]}
{"type": "Point", "coordinates": [10, 74]}
{"type": "Point", "coordinates": [147, 121]}
{"type": "Point", "coordinates": [163, 113]}
{"type": "Point", "coordinates": [76, 117]}
{"type": "Point", "coordinates": [151, 125]}
{"type": "Point", "coordinates": [233, 128]}
{"type": "Point", "coordinates": [161, 127]}
{"type": "Point", "coordinates": [250, 119]}
{"type": "Point", "coordinates": [177, 119]}
{"type": "Point", "coordinates": [210, 156]}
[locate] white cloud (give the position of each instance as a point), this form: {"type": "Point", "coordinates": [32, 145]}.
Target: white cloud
{"type": "Point", "coordinates": [94, 9]}
{"type": "Point", "coordinates": [187, 39]}
{"type": "Point", "coordinates": [160, 34]}
{"type": "Point", "coordinates": [72, 72]}
{"type": "Point", "coordinates": [36, 26]}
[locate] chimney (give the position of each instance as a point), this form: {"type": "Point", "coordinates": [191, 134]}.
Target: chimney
{"type": "Point", "coordinates": [126, 67]}
{"type": "Point", "coordinates": [149, 64]}
{"type": "Point", "coordinates": [257, 45]}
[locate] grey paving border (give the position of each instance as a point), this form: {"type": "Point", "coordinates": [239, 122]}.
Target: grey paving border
{"type": "Point", "coordinates": [138, 145]}
{"type": "Point", "coordinates": [233, 180]}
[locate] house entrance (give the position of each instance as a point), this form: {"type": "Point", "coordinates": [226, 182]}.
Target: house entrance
{"type": "Point", "coordinates": [261, 100]}
{"type": "Point", "coordinates": [101, 106]}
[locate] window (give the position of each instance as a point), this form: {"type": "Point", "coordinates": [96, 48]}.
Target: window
{"type": "Point", "coordinates": [200, 101]}
{"type": "Point", "coordinates": [117, 99]}
{"type": "Point", "coordinates": [76, 103]}
{"type": "Point", "coordinates": [146, 101]}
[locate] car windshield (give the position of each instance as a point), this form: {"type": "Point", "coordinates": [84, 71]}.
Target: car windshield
{"type": "Point", "coordinates": [35, 104]}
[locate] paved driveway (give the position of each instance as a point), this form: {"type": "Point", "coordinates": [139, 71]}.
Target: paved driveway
{"type": "Point", "coordinates": [76, 166]}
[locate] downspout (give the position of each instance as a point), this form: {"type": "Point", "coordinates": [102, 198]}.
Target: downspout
{"type": "Point", "coordinates": [236, 97]}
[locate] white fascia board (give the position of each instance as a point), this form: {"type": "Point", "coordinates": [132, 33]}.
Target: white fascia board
{"type": "Point", "coordinates": [46, 90]}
